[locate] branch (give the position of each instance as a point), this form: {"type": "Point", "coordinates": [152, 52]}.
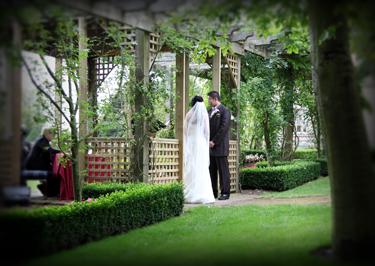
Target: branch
{"type": "Point", "coordinates": [42, 91]}
{"type": "Point", "coordinates": [55, 79]}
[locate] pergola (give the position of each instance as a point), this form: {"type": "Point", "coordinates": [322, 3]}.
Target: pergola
{"type": "Point", "coordinates": [138, 19]}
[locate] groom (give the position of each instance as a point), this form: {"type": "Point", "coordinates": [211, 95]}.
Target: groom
{"type": "Point", "coordinates": [219, 117]}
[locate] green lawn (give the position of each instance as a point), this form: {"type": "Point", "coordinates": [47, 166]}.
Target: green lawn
{"type": "Point", "coordinates": [207, 235]}
{"type": "Point", "coordinates": [32, 184]}
{"type": "Point", "coordinates": [315, 187]}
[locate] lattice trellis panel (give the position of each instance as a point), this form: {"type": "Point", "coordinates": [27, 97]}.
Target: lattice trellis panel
{"type": "Point", "coordinates": [225, 74]}
{"type": "Point", "coordinates": [232, 62]}
{"type": "Point", "coordinates": [107, 159]}
{"type": "Point", "coordinates": [154, 46]}
{"type": "Point", "coordinates": [154, 42]}
{"type": "Point", "coordinates": [232, 160]}
{"type": "Point", "coordinates": [164, 160]}
{"type": "Point", "coordinates": [103, 66]}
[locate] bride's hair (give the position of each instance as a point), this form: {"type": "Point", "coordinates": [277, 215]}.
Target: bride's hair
{"type": "Point", "coordinates": [195, 100]}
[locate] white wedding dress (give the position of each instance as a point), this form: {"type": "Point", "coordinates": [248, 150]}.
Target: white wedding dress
{"type": "Point", "coordinates": [197, 181]}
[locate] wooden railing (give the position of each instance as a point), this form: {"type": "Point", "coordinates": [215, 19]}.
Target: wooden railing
{"type": "Point", "coordinates": [110, 159]}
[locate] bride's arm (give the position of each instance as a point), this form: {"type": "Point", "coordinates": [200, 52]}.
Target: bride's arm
{"type": "Point", "coordinates": [187, 120]}
{"type": "Point", "coordinates": [207, 125]}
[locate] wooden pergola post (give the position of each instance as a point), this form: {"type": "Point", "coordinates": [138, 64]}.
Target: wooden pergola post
{"type": "Point", "coordinates": [182, 104]}
{"type": "Point", "coordinates": [238, 124]}
{"type": "Point", "coordinates": [10, 137]}
{"type": "Point", "coordinates": [10, 114]}
{"type": "Point", "coordinates": [216, 70]}
{"type": "Point", "coordinates": [141, 100]}
{"type": "Point", "coordinates": [83, 82]}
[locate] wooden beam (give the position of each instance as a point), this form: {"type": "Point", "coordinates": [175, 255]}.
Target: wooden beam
{"type": "Point", "coordinates": [83, 91]}
{"type": "Point", "coordinates": [241, 36]}
{"type": "Point", "coordinates": [139, 19]}
{"type": "Point", "coordinates": [216, 70]}
{"type": "Point", "coordinates": [182, 89]}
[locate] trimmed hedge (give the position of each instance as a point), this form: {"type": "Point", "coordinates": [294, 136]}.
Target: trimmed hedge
{"type": "Point", "coordinates": [323, 165]}
{"type": "Point", "coordinates": [321, 161]}
{"type": "Point", "coordinates": [277, 163]}
{"type": "Point", "coordinates": [45, 230]}
{"type": "Point", "coordinates": [279, 178]}
{"type": "Point", "coordinates": [95, 190]}
{"type": "Point", "coordinates": [305, 154]}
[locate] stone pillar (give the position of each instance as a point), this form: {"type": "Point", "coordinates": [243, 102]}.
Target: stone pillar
{"type": "Point", "coordinates": [83, 91]}
{"type": "Point", "coordinates": [182, 103]}
{"type": "Point", "coordinates": [141, 156]}
{"type": "Point", "coordinates": [216, 70]}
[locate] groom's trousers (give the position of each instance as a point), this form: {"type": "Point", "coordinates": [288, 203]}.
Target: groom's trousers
{"type": "Point", "coordinates": [220, 164]}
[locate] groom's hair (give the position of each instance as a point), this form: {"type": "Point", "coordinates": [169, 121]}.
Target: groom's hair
{"type": "Point", "coordinates": [195, 100]}
{"type": "Point", "coordinates": [214, 94]}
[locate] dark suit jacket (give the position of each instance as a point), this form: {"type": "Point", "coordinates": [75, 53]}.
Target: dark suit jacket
{"type": "Point", "coordinates": [219, 126]}
{"type": "Point", "coordinates": [40, 157]}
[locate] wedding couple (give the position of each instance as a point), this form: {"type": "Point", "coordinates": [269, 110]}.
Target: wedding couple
{"type": "Point", "coordinates": [206, 150]}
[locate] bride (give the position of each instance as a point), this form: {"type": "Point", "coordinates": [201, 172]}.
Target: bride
{"type": "Point", "coordinates": [197, 181]}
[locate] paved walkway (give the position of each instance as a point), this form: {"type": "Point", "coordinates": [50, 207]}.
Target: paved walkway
{"type": "Point", "coordinates": [242, 199]}
{"type": "Point", "coordinates": [235, 200]}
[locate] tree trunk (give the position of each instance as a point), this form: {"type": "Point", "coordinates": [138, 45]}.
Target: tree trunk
{"type": "Point", "coordinates": [267, 140]}
{"type": "Point", "coordinates": [288, 116]}
{"type": "Point", "coordinates": [75, 162]}
{"type": "Point", "coordinates": [349, 162]}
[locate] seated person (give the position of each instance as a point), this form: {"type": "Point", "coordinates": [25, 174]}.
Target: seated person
{"type": "Point", "coordinates": [40, 157]}
{"type": "Point", "coordinates": [25, 150]}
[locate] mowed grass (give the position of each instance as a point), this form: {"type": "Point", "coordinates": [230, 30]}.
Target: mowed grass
{"type": "Point", "coordinates": [207, 235]}
{"type": "Point", "coordinates": [319, 186]}
{"type": "Point", "coordinates": [33, 184]}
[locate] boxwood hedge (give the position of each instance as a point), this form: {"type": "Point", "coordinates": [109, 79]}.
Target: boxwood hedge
{"type": "Point", "coordinates": [305, 154]}
{"type": "Point", "coordinates": [95, 190]}
{"type": "Point", "coordinates": [281, 177]}
{"type": "Point", "coordinates": [49, 229]}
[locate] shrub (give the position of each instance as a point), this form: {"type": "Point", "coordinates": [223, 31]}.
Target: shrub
{"type": "Point", "coordinates": [323, 166]}
{"type": "Point", "coordinates": [95, 190]}
{"type": "Point", "coordinates": [281, 177]}
{"type": "Point", "coordinates": [45, 230]}
{"type": "Point", "coordinates": [276, 163]}
{"type": "Point", "coordinates": [305, 154]}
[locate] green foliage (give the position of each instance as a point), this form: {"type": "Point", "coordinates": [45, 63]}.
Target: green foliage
{"type": "Point", "coordinates": [97, 189]}
{"type": "Point", "coordinates": [305, 154]}
{"type": "Point", "coordinates": [323, 166]}
{"type": "Point", "coordinates": [46, 230]}
{"type": "Point", "coordinates": [279, 178]}
{"type": "Point", "coordinates": [262, 94]}
{"type": "Point", "coordinates": [276, 163]}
